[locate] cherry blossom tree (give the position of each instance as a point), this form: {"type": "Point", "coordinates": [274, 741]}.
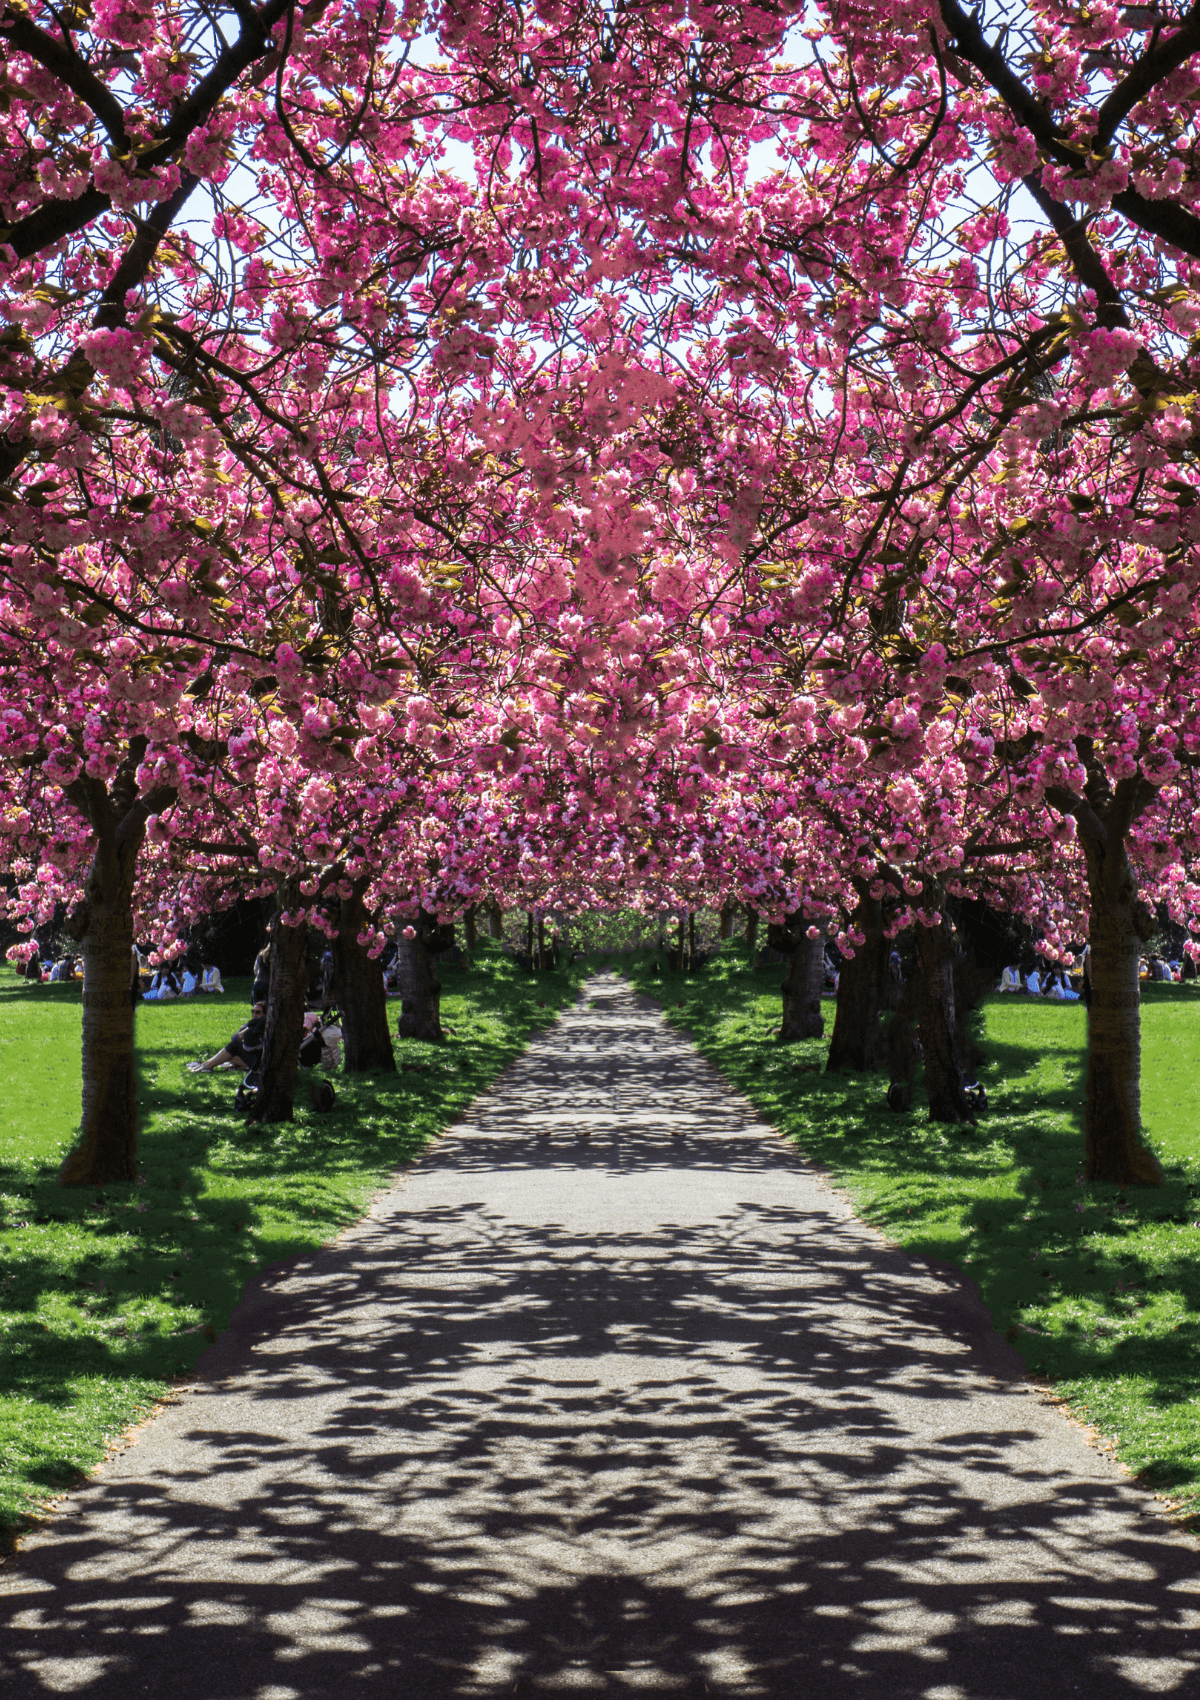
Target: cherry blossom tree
{"type": "Point", "coordinates": [759, 412]}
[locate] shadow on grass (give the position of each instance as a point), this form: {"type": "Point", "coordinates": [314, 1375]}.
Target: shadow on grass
{"type": "Point", "coordinates": [107, 1295]}
{"type": "Point", "coordinates": [503, 1442]}
{"type": "Point", "coordinates": [1098, 1288]}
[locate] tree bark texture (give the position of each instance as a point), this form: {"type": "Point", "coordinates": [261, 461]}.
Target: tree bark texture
{"type": "Point", "coordinates": [1113, 1099]}
{"type": "Point", "coordinates": [416, 971]}
{"type": "Point", "coordinates": [495, 920]}
{"type": "Point", "coordinates": [1118, 924]}
{"type": "Point", "coordinates": [971, 982]}
{"type": "Point", "coordinates": [103, 924]}
{"type": "Point", "coordinates": [470, 930]}
{"type": "Point", "coordinates": [359, 991]}
{"type": "Point", "coordinates": [944, 1079]}
{"type": "Point", "coordinates": [727, 913]}
{"type": "Point", "coordinates": [286, 995]}
{"type": "Point", "coordinates": [900, 1048]}
{"type": "Point", "coordinates": [691, 941]}
{"type": "Point", "coordinates": [803, 976]}
{"type": "Point", "coordinates": [855, 1047]}
{"type": "Point", "coordinates": [751, 931]}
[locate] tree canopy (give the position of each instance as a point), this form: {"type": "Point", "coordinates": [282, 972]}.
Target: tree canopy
{"type": "Point", "coordinates": [591, 455]}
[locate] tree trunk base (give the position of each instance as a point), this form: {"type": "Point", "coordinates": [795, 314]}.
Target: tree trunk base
{"type": "Point", "coordinates": [1139, 1167]}
{"type": "Point", "coordinates": [803, 978]}
{"type": "Point", "coordinates": [856, 1043]}
{"type": "Point", "coordinates": [420, 988]}
{"type": "Point", "coordinates": [361, 997]}
{"type": "Point", "coordinates": [804, 1026]}
{"type": "Point", "coordinates": [938, 1026]}
{"type": "Point", "coordinates": [280, 1064]}
{"type": "Point", "coordinates": [1118, 925]}
{"type": "Point", "coordinates": [86, 1166]}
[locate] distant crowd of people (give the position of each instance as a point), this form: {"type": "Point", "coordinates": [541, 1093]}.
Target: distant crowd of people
{"type": "Point", "coordinates": [168, 983]}
{"type": "Point", "coordinates": [1069, 985]}
{"type": "Point", "coordinates": [1158, 968]}
{"type": "Point", "coordinates": [66, 968]}
{"type": "Point", "coordinates": [161, 986]}
{"type": "Point", "coordinates": [1053, 983]}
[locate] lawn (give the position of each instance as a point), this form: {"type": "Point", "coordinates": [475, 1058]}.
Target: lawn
{"type": "Point", "coordinates": [105, 1298]}
{"type": "Point", "coordinates": [1098, 1288]}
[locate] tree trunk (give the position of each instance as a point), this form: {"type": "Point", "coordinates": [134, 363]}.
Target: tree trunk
{"type": "Point", "coordinates": [529, 937]}
{"type": "Point", "coordinates": [1118, 924]}
{"type": "Point", "coordinates": [470, 931]}
{"type": "Point", "coordinates": [286, 994]}
{"type": "Point", "coordinates": [108, 1147]}
{"type": "Point", "coordinates": [495, 920]}
{"type": "Point", "coordinates": [900, 1047]}
{"type": "Point", "coordinates": [416, 971]}
{"type": "Point", "coordinates": [751, 932]}
{"type": "Point", "coordinates": [359, 991]}
{"type": "Point", "coordinates": [727, 912]}
{"type": "Point", "coordinates": [103, 922]}
{"type": "Point", "coordinates": [944, 1080]}
{"type": "Point", "coordinates": [803, 977]}
{"type": "Point", "coordinates": [682, 944]}
{"type": "Point", "coordinates": [691, 941]}
{"type": "Point", "coordinates": [1113, 1115]}
{"type": "Point", "coordinates": [971, 982]}
{"type": "Point", "coordinates": [855, 1045]}
{"type": "Point", "coordinates": [541, 942]}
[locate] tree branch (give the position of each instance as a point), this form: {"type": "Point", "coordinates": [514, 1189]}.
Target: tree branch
{"type": "Point", "coordinates": [56, 219]}
{"type": "Point", "coordinates": [1163, 58]}
{"type": "Point", "coordinates": [139, 255]}
{"type": "Point", "coordinates": [1091, 827]}
{"type": "Point", "coordinates": [1174, 223]}
{"type": "Point", "coordinates": [1086, 263]}
{"type": "Point", "coordinates": [1130, 798]}
{"type": "Point", "coordinates": [62, 61]}
{"type": "Point", "coordinates": [75, 378]}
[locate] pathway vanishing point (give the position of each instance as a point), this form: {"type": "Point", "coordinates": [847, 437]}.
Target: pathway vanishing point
{"type": "Point", "coordinates": [610, 1395]}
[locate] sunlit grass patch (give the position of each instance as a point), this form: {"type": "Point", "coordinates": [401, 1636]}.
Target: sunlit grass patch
{"type": "Point", "coordinates": [1099, 1289]}
{"type": "Point", "coordinates": [105, 1297]}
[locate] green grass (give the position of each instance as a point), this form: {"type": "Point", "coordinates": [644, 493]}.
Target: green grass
{"type": "Point", "coordinates": [106, 1297]}
{"type": "Point", "coordinates": [1099, 1289]}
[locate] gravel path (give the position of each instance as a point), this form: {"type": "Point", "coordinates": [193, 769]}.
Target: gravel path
{"type": "Point", "coordinates": [610, 1395]}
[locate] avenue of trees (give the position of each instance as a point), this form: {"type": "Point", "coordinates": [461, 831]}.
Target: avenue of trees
{"type": "Point", "coordinates": [576, 455]}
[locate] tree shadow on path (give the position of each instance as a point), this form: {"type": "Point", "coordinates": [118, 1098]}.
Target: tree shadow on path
{"type": "Point", "coordinates": [587, 1407]}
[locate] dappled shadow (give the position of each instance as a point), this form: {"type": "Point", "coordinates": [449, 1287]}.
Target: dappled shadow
{"type": "Point", "coordinates": [106, 1294]}
{"type": "Point", "coordinates": [611, 1397]}
{"type": "Point", "coordinates": [1006, 1197]}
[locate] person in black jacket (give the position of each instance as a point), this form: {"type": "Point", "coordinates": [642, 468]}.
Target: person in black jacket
{"type": "Point", "coordinates": [243, 1050]}
{"type": "Point", "coordinates": [262, 975]}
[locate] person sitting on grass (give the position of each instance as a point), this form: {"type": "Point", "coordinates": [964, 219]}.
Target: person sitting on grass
{"type": "Point", "coordinates": [191, 983]}
{"type": "Point", "coordinates": [1010, 980]}
{"type": "Point", "coordinates": [210, 980]}
{"type": "Point", "coordinates": [163, 988]}
{"type": "Point", "coordinates": [1058, 989]}
{"type": "Point", "coordinates": [242, 1051]}
{"type": "Point", "coordinates": [1033, 984]}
